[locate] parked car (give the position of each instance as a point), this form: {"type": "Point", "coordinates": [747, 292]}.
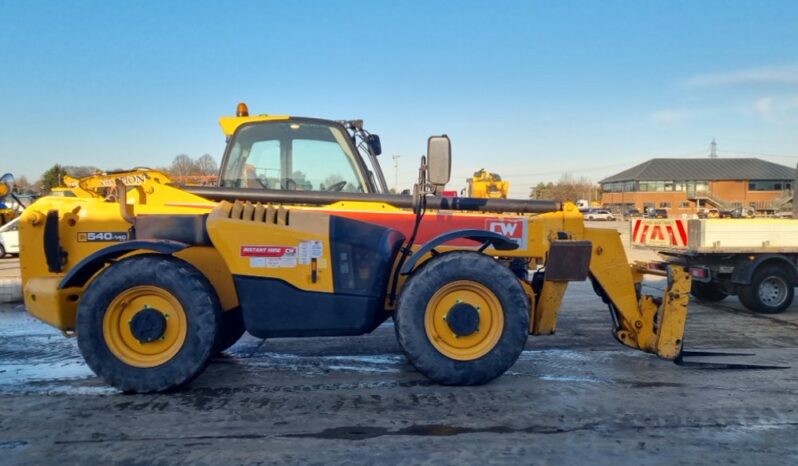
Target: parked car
{"type": "Point", "coordinates": [708, 213]}
{"type": "Point", "coordinates": [9, 238]}
{"type": "Point", "coordinates": [657, 213]}
{"type": "Point", "coordinates": [738, 212]}
{"type": "Point", "coordinates": [599, 214]}
{"type": "Point", "coordinates": [632, 213]}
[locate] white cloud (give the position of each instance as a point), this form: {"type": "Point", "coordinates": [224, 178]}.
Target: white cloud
{"type": "Point", "coordinates": [764, 107]}
{"type": "Point", "coordinates": [667, 117]}
{"type": "Point", "coordinates": [748, 76]}
{"type": "Point", "coordinates": [775, 108]}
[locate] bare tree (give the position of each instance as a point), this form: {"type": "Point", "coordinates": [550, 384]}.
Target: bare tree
{"type": "Point", "coordinates": [182, 165]}
{"type": "Point", "coordinates": [207, 165]}
{"type": "Point", "coordinates": [567, 188]}
{"type": "Point", "coordinates": [79, 171]}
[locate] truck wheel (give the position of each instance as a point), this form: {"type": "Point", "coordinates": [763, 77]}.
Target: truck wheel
{"type": "Point", "coordinates": [148, 323]}
{"type": "Point", "coordinates": [707, 292]}
{"type": "Point", "coordinates": [462, 319]}
{"type": "Point", "coordinates": [770, 292]}
{"type": "Point", "coordinates": [230, 331]}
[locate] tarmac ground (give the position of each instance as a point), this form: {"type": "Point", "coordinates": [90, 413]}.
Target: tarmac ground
{"type": "Point", "coordinates": [576, 397]}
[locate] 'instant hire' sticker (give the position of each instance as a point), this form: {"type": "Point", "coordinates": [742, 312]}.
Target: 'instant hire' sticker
{"type": "Point", "coordinates": [270, 256]}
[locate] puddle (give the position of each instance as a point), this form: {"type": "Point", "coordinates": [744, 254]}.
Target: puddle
{"type": "Point", "coordinates": [568, 378]}
{"type": "Point", "coordinates": [14, 374]}
{"type": "Point", "coordinates": [379, 363]}
{"type": "Point", "coordinates": [364, 432]}
{"type": "Point", "coordinates": [541, 355]}
{"type": "Point", "coordinates": [71, 378]}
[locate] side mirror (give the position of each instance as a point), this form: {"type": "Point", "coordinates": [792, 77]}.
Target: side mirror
{"type": "Point", "coordinates": [374, 144]}
{"type": "Point", "coordinates": [439, 160]}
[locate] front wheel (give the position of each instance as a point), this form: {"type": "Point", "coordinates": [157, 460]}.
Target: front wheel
{"type": "Point", "coordinates": [148, 323]}
{"type": "Point", "coordinates": [462, 319]}
{"type": "Point", "coordinates": [771, 291]}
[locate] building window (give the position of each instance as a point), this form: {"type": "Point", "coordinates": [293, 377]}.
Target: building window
{"type": "Point", "coordinates": [684, 205]}
{"type": "Point", "coordinates": [771, 185]}
{"type": "Point", "coordinates": [664, 205]}
{"type": "Point", "coordinates": [648, 205]}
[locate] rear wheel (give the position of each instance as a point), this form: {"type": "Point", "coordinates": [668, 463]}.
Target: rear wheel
{"type": "Point", "coordinates": [707, 292]}
{"type": "Point", "coordinates": [462, 319]}
{"type": "Point", "coordinates": [148, 323]}
{"type": "Point", "coordinates": [771, 291]}
{"type": "Point", "coordinates": [2, 251]}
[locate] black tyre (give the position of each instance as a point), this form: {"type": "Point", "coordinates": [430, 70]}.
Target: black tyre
{"type": "Point", "coordinates": [707, 292]}
{"type": "Point", "coordinates": [230, 331]}
{"type": "Point", "coordinates": [148, 323]}
{"type": "Point", "coordinates": [2, 251]}
{"type": "Point", "coordinates": [771, 291]}
{"type": "Point", "coordinates": [462, 319]}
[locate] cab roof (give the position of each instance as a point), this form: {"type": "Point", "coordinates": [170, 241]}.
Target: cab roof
{"type": "Point", "coordinates": [230, 124]}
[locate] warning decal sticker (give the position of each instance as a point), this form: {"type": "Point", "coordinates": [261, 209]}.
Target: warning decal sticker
{"type": "Point", "coordinates": [270, 256]}
{"type": "Point", "coordinates": [311, 249]}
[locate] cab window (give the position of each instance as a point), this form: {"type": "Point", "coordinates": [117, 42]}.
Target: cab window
{"type": "Point", "coordinates": [292, 155]}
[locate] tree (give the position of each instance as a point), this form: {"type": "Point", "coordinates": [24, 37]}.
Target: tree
{"type": "Point", "coordinates": [567, 188]}
{"type": "Point", "coordinates": [182, 165]}
{"type": "Point", "coordinates": [53, 177]}
{"type": "Point", "coordinates": [22, 185]}
{"type": "Point", "coordinates": [330, 181]}
{"type": "Point", "coordinates": [80, 171]}
{"type": "Point", "coordinates": [207, 165]}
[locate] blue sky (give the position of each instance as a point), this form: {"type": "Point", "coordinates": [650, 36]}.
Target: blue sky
{"type": "Point", "coordinates": [527, 89]}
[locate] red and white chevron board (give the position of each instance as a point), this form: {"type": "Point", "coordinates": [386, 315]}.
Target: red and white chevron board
{"type": "Point", "coordinates": [659, 232]}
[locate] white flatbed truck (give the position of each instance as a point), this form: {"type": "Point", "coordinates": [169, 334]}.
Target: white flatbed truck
{"type": "Point", "coordinates": [754, 259]}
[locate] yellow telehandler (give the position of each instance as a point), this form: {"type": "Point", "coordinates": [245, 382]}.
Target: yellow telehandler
{"type": "Point", "coordinates": [484, 184]}
{"type": "Point", "coordinates": [301, 238]}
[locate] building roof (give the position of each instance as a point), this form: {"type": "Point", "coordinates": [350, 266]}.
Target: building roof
{"type": "Point", "coordinates": [704, 169]}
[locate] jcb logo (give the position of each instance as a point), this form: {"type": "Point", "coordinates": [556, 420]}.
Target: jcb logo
{"type": "Point", "coordinates": [513, 228]}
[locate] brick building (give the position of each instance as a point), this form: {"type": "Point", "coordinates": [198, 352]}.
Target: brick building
{"type": "Point", "coordinates": [682, 186]}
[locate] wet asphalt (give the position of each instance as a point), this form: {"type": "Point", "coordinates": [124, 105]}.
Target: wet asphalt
{"type": "Point", "coordinates": [576, 397]}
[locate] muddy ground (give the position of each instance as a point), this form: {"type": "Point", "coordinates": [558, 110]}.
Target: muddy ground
{"type": "Point", "coordinates": [573, 398]}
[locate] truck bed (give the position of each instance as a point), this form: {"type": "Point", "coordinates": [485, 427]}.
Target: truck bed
{"type": "Point", "coordinates": [701, 236]}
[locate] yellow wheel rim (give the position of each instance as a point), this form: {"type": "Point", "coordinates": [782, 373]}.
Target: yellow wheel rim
{"type": "Point", "coordinates": [119, 337]}
{"type": "Point", "coordinates": [491, 320]}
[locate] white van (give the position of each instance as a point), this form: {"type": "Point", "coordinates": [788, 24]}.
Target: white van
{"type": "Point", "coordinates": [9, 238]}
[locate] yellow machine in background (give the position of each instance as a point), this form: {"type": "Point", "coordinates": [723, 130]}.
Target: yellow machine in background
{"type": "Point", "coordinates": [487, 185]}
{"type": "Point", "coordinates": [8, 213]}
{"type": "Point", "coordinates": [300, 238]}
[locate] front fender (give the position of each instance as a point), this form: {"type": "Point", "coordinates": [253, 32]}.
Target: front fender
{"type": "Point", "coordinates": [91, 264]}
{"type": "Point", "coordinates": [487, 238]}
